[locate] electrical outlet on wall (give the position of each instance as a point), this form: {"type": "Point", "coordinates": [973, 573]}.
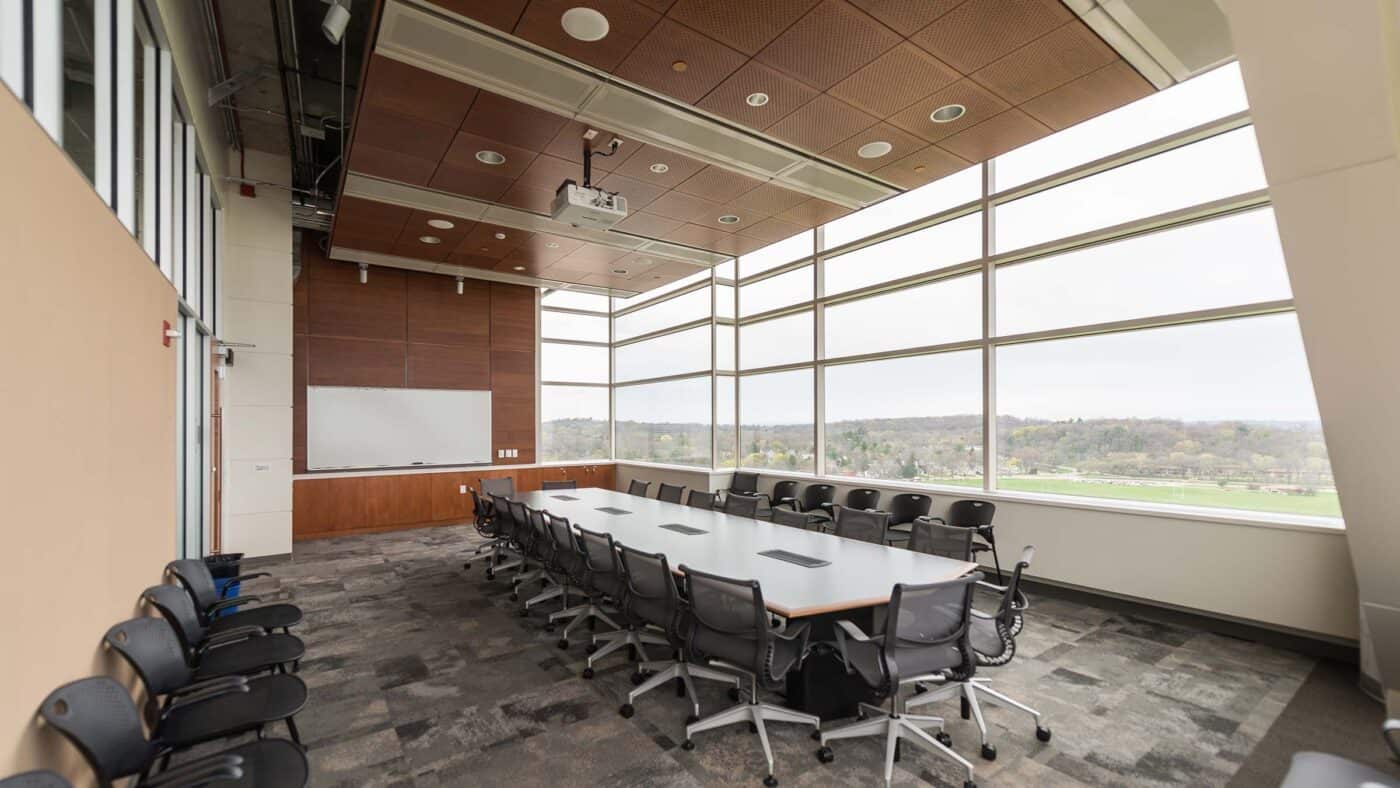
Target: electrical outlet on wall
{"type": "Point", "coordinates": [500, 453]}
{"type": "Point", "coordinates": [461, 489]}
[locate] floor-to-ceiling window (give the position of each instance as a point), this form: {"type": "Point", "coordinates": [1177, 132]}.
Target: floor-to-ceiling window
{"type": "Point", "coordinates": [575, 399]}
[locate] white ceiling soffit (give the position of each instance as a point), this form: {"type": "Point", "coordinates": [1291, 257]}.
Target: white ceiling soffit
{"type": "Point", "coordinates": [394, 193]}
{"type": "Point", "coordinates": [457, 48]}
{"type": "Point", "coordinates": [1167, 41]}
{"type": "Point", "coordinates": [448, 269]}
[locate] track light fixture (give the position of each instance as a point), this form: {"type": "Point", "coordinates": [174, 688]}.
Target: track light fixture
{"type": "Point", "coordinates": [337, 19]}
{"type": "Point", "coordinates": [364, 273]}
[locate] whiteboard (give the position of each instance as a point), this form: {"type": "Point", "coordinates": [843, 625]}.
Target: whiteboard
{"type": "Point", "coordinates": [352, 427]}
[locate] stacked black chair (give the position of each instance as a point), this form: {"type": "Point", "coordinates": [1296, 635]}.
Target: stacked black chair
{"type": "Point", "coordinates": [194, 712]}
{"type": "Point", "coordinates": [729, 625]}
{"type": "Point", "coordinates": [40, 778]}
{"type": "Point", "coordinates": [934, 538]}
{"type": "Point", "coordinates": [213, 607]}
{"type": "Point", "coordinates": [741, 505]}
{"type": "Point", "coordinates": [745, 483]}
{"type": "Point", "coordinates": [860, 524]}
{"type": "Point", "coordinates": [816, 500]}
{"type": "Point", "coordinates": [566, 484]}
{"type": "Point", "coordinates": [926, 633]}
{"type": "Point", "coordinates": [700, 499]}
{"type": "Point", "coordinates": [992, 638]}
{"type": "Point", "coordinates": [245, 651]}
{"type": "Point", "coordinates": [977, 515]}
{"type": "Point", "coordinates": [904, 509]}
{"type": "Point", "coordinates": [671, 493]}
{"type": "Point", "coordinates": [97, 715]}
{"type": "Point", "coordinates": [609, 578]}
{"type": "Point", "coordinates": [591, 577]}
{"type": "Point", "coordinates": [652, 598]}
{"type": "Point", "coordinates": [785, 494]}
{"type": "Point", "coordinates": [638, 488]}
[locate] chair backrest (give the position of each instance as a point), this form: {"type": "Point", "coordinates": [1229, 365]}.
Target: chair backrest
{"type": "Point", "coordinates": [540, 538]}
{"type": "Point", "coordinates": [178, 609]}
{"type": "Point", "coordinates": [784, 489]}
{"type": "Point", "coordinates": [935, 538]}
{"type": "Point", "coordinates": [744, 482]}
{"type": "Point", "coordinates": [908, 507]}
{"type": "Point", "coordinates": [700, 499]}
{"type": "Point", "coordinates": [39, 778]}
{"type": "Point", "coordinates": [670, 492]}
{"type": "Point", "coordinates": [970, 514]}
{"type": "Point", "coordinates": [727, 619]}
{"type": "Point", "coordinates": [741, 505]}
{"type": "Point", "coordinates": [600, 557]}
{"type": "Point", "coordinates": [561, 537]}
{"type": "Point", "coordinates": [97, 715]}
{"type": "Point", "coordinates": [520, 523]}
{"type": "Point", "coordinates": [153, 649]}
{"type": "Point", "coordinates": [1014, 600]}
{"type": "Point", "coordinates": [924, 622]}
{"type": "Point", "coordinates": [638, 487]}
{"type": "Point", "coordinates": [566, 484]}
{"type": "Point", "coordinates": [482, 514]}
{"type": "Point", "coordinates": [651, 588]}
{"type": "Point", "coordinates": [861, 524]}
{"type": "Point", "coordinates": [863, 498]}
{"type": "Point", "coordinates": [814, 495]}
{"type": "Point", "coordinates": [785, 516]}
{"type": "Point", "coordinates": [500, 508]}
{"type": "Point", "coordinates": [504, 486]}
{"type": "Point", "coordinates": [194, 576]}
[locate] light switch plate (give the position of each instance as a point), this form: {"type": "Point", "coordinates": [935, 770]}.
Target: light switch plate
{"type": "Point", "coordinates": [462, 489]}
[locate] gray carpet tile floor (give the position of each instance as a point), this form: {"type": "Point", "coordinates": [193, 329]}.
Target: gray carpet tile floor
{"type": "Point", "coordinates": [423, 674]}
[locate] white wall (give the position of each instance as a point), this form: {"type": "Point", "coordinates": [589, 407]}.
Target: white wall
{"type": "Point", "coordinates": [257, 389]}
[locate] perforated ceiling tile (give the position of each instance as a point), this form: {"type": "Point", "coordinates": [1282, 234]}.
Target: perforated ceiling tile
{"type": "Point", "coordinates": [769, 199]}
{"type": "Point", "coordinates": [568, 144]}
{"type": "Point", "coordinates": [500, 118]}
{"type": "Point", "coordinates": [719, 185]}
{"type": "Point", "coordinates": [923, 166]}
{"type": "Point", "coordinates": [906, 16]}
{"type": "Point", "coordinates": [979, 103]}
{"type": "Point", "coordinates": [367, 217]}
{"type": "Point", "coordinates": [628, 24]}
{"type": "Point", "coordinates": [698, 235]}
{"type": "Point", "coordinates": [821, 123]}
{"type": "Point", "coordinates": [781, 95]}
{"type": "Point", "coordinates": [592, 255]}
{"type": "Point", "coordinates": [747, 26]}
{"type": "Point", "coordinates": [674, 205]}
{"type": "Point", "coordinates": [1011, 129]}
{"type": "Point", "coordinates": [1068, 53]}
{"type": "Point", "coordinates": [468, 151]}
{"type": "Point", "coordinates": [469, 183]}
{"type": "Point", "coordinates": [895, 80]}
{"type": "Point", "coordinates": [828, 44]}
{"type": "Point", "coordinates": [465, 258]}
{"type": "Point", "coordinates": [1108, 88]}
{"type": "Point", "coordinates": [639, 194]}
{"type": "Point", "coordinates": [528, 198]}
{"type": "Point", "coordinates": [642, 165]}
{"type": "Point", "coordinates": [979, 31]}
{"type": "Point", "coordinates": [648, 225]}
{"type": "Point", "coordinates": [381, 128]}
{"type": "Point", "coordinates": [415, 93]}
{"type": "Point", "coordinates": [847, 152]}
{"type": "Point", "coordinates": [813, 212]}
{"type": "Point", "coordinates": [548, 172]}
{"type": "Point", "coordinates": [417, 226]}
{"type": "Point", "coordinates": [500, 14]}
{"type": "Point", "coordinates": [771, 230]}
{"type": "Point", "coordinates": [481, 240]}
{"type": "Point", "coordinates": [392, 164]}
{"type": "Point", "coordinates": [653, 63]}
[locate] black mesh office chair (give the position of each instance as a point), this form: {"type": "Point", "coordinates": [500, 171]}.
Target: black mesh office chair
{"type": "Point", "coordinates": [729, 625]}
{"type": "Point", "coordinates": [977, 515]}
{"type": "Point", "coordinates": [993, 641]}
{"type": "Point", "coordinates": [503, 487]}
{"type": "Point", "coordinates": [700, 499]}
{"type": "Point", "coordinates": [509, 531]}
{"type": "Point", "coordinates": [244, 651]}
{"type": "Point", "coordinates": [609, 578]}
{"type": "Point", "coordinates": [97, 715]}
{"type": "Point", "coordinates": [865, 526]}
{"type": "Point", "coordinates": [523, 536]}
{"type": "Point", "coordinates": [638, 488]}
{"type": "Point", "coordinates": [595, 577]}
{"type": "Point", "coordinates": [671, 493]}
{"type": "Point", "coordinates": [785, 516]}
{"type": "Point", "coordinates": [195, 712]}
{"type": "Point", "coordinates": [741, 505]}
{"type": "Point", "coordinates": [566, 484]}
{"type": "Point", "coordinates": [39, 778]}
{"type": "Point", "coordinates": [785, 494]}
{"type": "Point", "coordinates": [652, 598]}
{"type": "Point", "coordinates": [925, 632]}
{"type": "Point", "coordinates": [935, 538]}
{"type": "Point", "coordinates": [488, 526]}
{"type": "Point", "coordinates": [564, 561]}
{"type": "Point", "coordinates": [541, 549]}
{"type": "Point", "coordinates": [194, 576]}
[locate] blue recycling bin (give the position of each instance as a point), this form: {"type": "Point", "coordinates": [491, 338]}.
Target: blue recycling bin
{"type": "Point", "coordinates": [225, 570]}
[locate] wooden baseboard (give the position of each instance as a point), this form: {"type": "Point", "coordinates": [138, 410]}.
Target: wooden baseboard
{"type": "Point", "coordinates": [375, 529]}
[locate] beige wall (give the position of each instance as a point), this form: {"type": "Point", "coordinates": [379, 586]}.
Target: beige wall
{"type": "Point", "coordinates": [87, 411]}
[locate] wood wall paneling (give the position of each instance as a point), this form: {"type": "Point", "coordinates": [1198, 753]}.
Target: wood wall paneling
{"type": "Point", "coordinates": [355, 362]}
{"type": "Point", "coordinates": [398, 500]}
{"type": "Point", "coordinates": [438, 316]}
{"type": "Point", "coordinates": [374, 310]}
{"type": "Point", "coordinates": [449, 367]}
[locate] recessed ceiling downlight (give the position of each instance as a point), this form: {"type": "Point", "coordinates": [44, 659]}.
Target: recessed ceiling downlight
{"type": "Point", "coordinates": [874, 150]}
{"type": "Point", "coordinates": [500, 236]}
{"type": "Point", "coordinates": [440, 224]}
{"type": "Point", "coordinates": [518, 268]}
{"type": "Point", "coordinates": [947, 113]}
{"type": "Point", "coordinates": [429, 239]}
{"type": "Point", "coordinates": [756, 99]}
{"type": "Point", "coordinates": [585, 24]}
{"type": "Point", "coordinates": [729, 218]}
{"type": "Point", "coordinates": [660, 168]}
{"type": "Point", "coordinates": [551, 245]}
{"type": "Point", "coordinates": [490, 157]}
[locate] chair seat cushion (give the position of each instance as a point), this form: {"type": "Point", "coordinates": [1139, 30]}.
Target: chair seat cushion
{"type": "Point", "coordinates": [276, 616]}
{"type": "Point", "coordinates": [271, 763]}
{"type": "Point", "coordinates": [252, 655]}
{"type": "Point", "coordinates": [268, 699]}
{"type": "Point", "coordinates": [1314, 769]}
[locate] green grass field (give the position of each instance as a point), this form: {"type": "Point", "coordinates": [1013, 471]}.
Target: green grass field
{"type": "Point", "coordinates": [1322, 504]}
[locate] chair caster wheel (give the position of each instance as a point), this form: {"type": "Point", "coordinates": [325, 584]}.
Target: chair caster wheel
{"type": "Point", "coordinates": [692, 719]}
{"type": "Point", "coordinates": [734, 694]}
{"type": "Point", "coordinates": [626, 711]}
{"type": "Point", "coordinates": [816, 735]}
{"type": "Point", "coordinates": [490, 575]}
{"type": "Point", "coordinates": [965, 709]}
{"type": "Point", "coordinates": [825, 755]}
{"type": "Point", "coordinates": [687, 745]}
{"type": "Point", "coordinates": [591, 648]}
{"type": "Point", "coordinates": [1042, 734]}
{"type": "Point", "coordinates": [770, 781]}
{"type": "Point", "coordinates": [969, 784]}
{"type": "Point", "coordinates": [989, 752]}
{"type": "Point", "coordinates": [514, 597]}
{"type": "Point", "coordinates": [467, 565]}
{"type": "Point", "coordinates": [860, 714]}
{"type": "Point", "coordinates": [920, 689]}
{"type": "Point", "coordinates": [638, 678]}
{"type": "Point", "coordinates": [944, 739]}
{"type": "Point", "coordinates": [753, 728]}
{"type": "Point", "coordinates": [587, 673]}
{"type": "Point", "coordinates": [562, 644]}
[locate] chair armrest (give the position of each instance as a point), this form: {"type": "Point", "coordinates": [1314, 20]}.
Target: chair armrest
{"type": "Point", "coordinates": [195, 698]}
{"type": "Point", "coordinates": [230, 636]}
{"type": "Point", "coordinates": [848, 629]}
{"type": "Point", "coordinates": [987, 532]}
{"type": "Point", "coordinates": [1391, 731]}
{"type": "Point", "coordinates": [938, 520]}
{"type": "Point", "coordinates": [200, 772]}
{"type": "Point", "coordinates": [991, 586]}
{"type": "Point", "coordinates": [242, 578]}
{"type": "Point", "coordinates": [200, 686]}
{"type": "Point", "coordinates": [234, 602]}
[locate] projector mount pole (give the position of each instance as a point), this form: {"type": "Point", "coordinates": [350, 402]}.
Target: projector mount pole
{"type": "Point", "coordinates": [588, 154]}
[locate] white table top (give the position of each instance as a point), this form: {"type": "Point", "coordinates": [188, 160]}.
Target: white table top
{"type": "Point", "coordinates": [860, 574]}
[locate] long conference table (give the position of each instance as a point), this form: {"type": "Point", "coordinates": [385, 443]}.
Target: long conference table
{"type": "Point", "coordinates": [856, 575]}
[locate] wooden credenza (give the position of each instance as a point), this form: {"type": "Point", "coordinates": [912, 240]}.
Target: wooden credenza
{"type": "Point", "coordinates": [343, 505]}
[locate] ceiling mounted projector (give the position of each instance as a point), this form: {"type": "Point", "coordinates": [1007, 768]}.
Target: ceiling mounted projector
{"type": "Point", "coordinates": [586, 206]}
